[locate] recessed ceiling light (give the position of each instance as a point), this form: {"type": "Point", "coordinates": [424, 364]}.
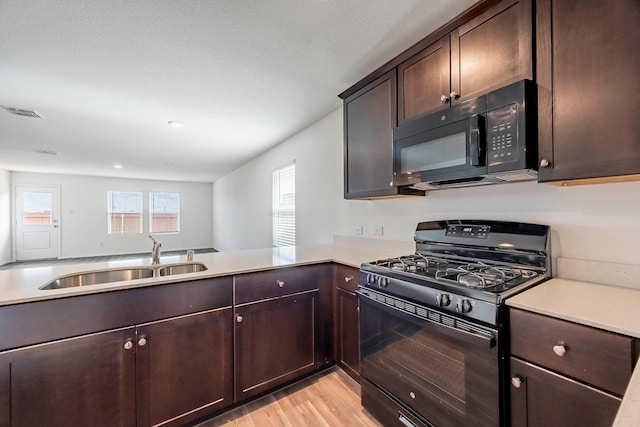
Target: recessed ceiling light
{"type": "Point", "coordinates": [118, 166]}
{"type": "Point", "coordinates": [175, 124]}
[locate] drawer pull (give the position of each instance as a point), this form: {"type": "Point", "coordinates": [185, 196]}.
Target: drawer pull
{"type": "Point", "coordinates": [559, 349]}
{"type": "Point", "coordinates": [280, 283]}
{"type": "Point", "coordinates": [348, 279]}
{"type": "Point", "coordinates": [516, 382]}
{"type": "Point", "coordinates": [239, 319]}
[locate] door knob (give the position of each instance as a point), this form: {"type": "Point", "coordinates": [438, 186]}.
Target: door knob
{"type": "Point", "coordinates": [444, 99]}
{"type": "Point", "coordinates": [280, 283]}
{"type": "Point", "coordinates": [544, 163]}
{"type": "Point", "coordinates": [239, 319]}
{"type": "Point", "coordinates": [142, 342]}
{"type": "Point", "coordinates": [516, 382]}
{"type": "Point", "coordinates": [454, 95]}
{"type": "Point", "coordinates": [128, 345]}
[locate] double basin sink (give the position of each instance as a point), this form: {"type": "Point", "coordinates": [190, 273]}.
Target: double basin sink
{"type": "Point", "coordinates": [123, 274]}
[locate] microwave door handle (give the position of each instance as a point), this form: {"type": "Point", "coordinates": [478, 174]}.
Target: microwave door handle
{"type": "Point", "coordinates": [475, 138]}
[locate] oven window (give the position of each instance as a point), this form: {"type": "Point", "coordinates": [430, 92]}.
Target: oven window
{"type": "Point", "coordinates": [440, 153]}
{"type": "Point", "coordinates": [443, 375]}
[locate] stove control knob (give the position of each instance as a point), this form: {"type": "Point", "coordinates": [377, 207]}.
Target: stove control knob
{"type": "Point", "coordinates": [383, 282]}
{"type": "Point", "coordinates": [371, 278]}
{"type": "Point", "coordinates": [443, 300]}
{"type": "Point", "coordinates": [463, 306]}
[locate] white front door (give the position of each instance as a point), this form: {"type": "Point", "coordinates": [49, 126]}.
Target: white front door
{"type": "Point", "coordinates": [37, 214]}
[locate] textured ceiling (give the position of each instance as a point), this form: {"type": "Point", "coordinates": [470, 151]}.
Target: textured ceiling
{"type": "Point", "coordinates": [241, 75]}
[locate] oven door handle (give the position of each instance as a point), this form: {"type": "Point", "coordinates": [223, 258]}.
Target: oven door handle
{"type": "Point", "coordinates": [485, 340]}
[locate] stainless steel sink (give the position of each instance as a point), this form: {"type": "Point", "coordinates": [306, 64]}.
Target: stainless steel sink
{"type": "Point", "coordinates": [100, 276]}
{"type": "Point", "coordinates": [122, 274]}
{"type": "Point", "coordinates": [182, 268]}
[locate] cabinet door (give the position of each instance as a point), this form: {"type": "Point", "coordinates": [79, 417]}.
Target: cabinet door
{"type": "Point", "coordinates": [588, 91]}
{"type": "Point", "coordinates": [86, 381]}
{"type": "Point", "coordinates": [348, 332]}
{"type": "Point", "coordinates": [369, 116]}
{"type": "Point", "coordinates": [275, 341]}
{"type": "Point", "coordinates": [423, 81]}
{"type": "Point", "coordinates": [492, 50]}
{"type": "Point", "coordinates": [184, 367]}
{"type": "Point", "coordinates": [543, 398]}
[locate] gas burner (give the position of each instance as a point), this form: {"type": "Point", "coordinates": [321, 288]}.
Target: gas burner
{"type": "Point", "coordinates": [480, 275]}
{"type": "Point", "coordinates": [415, 263]}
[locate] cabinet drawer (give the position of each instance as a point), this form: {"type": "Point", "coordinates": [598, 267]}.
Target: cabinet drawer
{"type": "Point", "coordinates": [347, 277]}
{"type": "Point", "coordinates": [600, 358]}
{"type": "Point", "coordinates": [274, 283]}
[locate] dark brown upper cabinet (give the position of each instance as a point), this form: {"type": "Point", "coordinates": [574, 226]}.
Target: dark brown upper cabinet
{"type": "Point", "coordinates": [489, 51]}
{"type": "Point", "coordinates": [588, 91]}
{"type": "Point", "coordinates": [370, 114]}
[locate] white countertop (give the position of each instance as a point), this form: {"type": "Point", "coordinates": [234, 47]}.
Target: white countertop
{"type": "Point", "coordinates": [612, 308]}
{"type": "Point", "coordinates": [21, 285]}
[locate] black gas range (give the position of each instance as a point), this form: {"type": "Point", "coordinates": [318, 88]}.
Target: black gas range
{"type": "Point", "coordinates": [433, 324]}
{"type": "Point", "coordinates": [465, 267]}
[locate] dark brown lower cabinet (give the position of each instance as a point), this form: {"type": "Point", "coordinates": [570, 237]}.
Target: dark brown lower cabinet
{"type": "Point", "coordinates": [167, 372]}
{"type": "Point", "coordinates": [184, 369]}
{"type": "Point", "coordinates": [348, 339]}
{"type": "Point", "coordinates": [275, 341]}
{"type": "Point", "coordinates": [86, 381]}
{"type": "Point", "coordinates": [542, 398]}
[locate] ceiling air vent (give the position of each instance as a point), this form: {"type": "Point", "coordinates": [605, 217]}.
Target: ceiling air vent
{"type": "Point", "coordinates": [23, 112]}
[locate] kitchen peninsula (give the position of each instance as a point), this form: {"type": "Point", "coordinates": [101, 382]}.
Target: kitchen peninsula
{"type": "Point", "coordinates": [551, 298]}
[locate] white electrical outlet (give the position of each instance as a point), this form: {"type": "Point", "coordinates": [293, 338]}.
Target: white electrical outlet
{"type": "Point", "coordinates": [378, 230]}
{"type": "Point", "coordinates": [357, 230]}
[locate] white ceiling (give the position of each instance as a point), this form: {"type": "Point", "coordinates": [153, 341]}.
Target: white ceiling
{"type": "Point", "coordinates": [241, 75]}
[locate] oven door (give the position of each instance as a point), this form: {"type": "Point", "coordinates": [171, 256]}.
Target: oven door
{"type": "Point", "coordinates": [428, 362]}
{"type": "Point", "coordinates": [423, 153]}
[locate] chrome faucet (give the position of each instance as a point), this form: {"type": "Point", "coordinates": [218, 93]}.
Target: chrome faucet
{"type": "Point", "coordinates": [155, 251]}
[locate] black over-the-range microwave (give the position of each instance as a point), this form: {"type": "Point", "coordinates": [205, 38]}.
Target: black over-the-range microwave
{"type": "Point", "coordinates": [487, 140]}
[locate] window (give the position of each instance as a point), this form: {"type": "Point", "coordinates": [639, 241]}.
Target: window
{"type": "Point", "coordinates": [164, 212]}
{"type": "Point", "coordinates": [125, 212]}
{"type": "Point", "coordinates": [284, 206]}
{"type": "Point", "coordinates": [37, 208]}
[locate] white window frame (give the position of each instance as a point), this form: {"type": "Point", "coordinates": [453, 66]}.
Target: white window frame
{"type": "Point", "coordinates": [283, 184]}
{"type": "Point", "coordinates": [110, 212]}
{"type": "Point", "coordinates": [152, 211]}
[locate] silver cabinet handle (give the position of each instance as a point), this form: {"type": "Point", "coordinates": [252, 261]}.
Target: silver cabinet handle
{"type": "Point", "coordinates": [516, 382]}
{"type": "Point", "coordinates": [444, 99]}
{"type": "Point", "coordinates": [128, 345]}
{"type": "Point", "coordinates": [142, 342]}
{"type": "Point", "coordinates": [454, 95]}
{"type": "Point", "coordinates": [559, 349]}
{"type": "Point", "coordinates": [239, 319]}
{"type": "Point", "coordinates": [348, 279]}
{"type": "Point", "coordinates": [280, 283]}
{"type": "Point", "coordinates": [544, 163]}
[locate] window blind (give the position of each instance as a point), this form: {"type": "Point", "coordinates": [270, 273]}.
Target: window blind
{"type": "Point", "coordinates": [284, 205]}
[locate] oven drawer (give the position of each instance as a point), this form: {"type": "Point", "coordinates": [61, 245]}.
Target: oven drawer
{"type": "Point", "coordinates": [600, 358]}
{"type": "Point", "coordinates": [347, 278]}
{"type": "Point", "coordinates": [387, 410]}
{"type": "Point", "coordinates": [274, 283]}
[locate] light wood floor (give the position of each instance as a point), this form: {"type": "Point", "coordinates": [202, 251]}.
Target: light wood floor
{"type": "Point", "coordinates": [331, 398]}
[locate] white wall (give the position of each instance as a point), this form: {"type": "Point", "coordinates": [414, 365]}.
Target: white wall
{"type": "Point", "coordinates": [594, 222]}
{"type": "Point", "coordinates": [242, 199]}
{"type": "Point", "coordinates": [83, 214]}
{"type": "Point", "coordinates": [5, 217]}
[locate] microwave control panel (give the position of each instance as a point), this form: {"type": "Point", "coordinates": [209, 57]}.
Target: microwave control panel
{"type": "Point", "coordinates": [502, 135]}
